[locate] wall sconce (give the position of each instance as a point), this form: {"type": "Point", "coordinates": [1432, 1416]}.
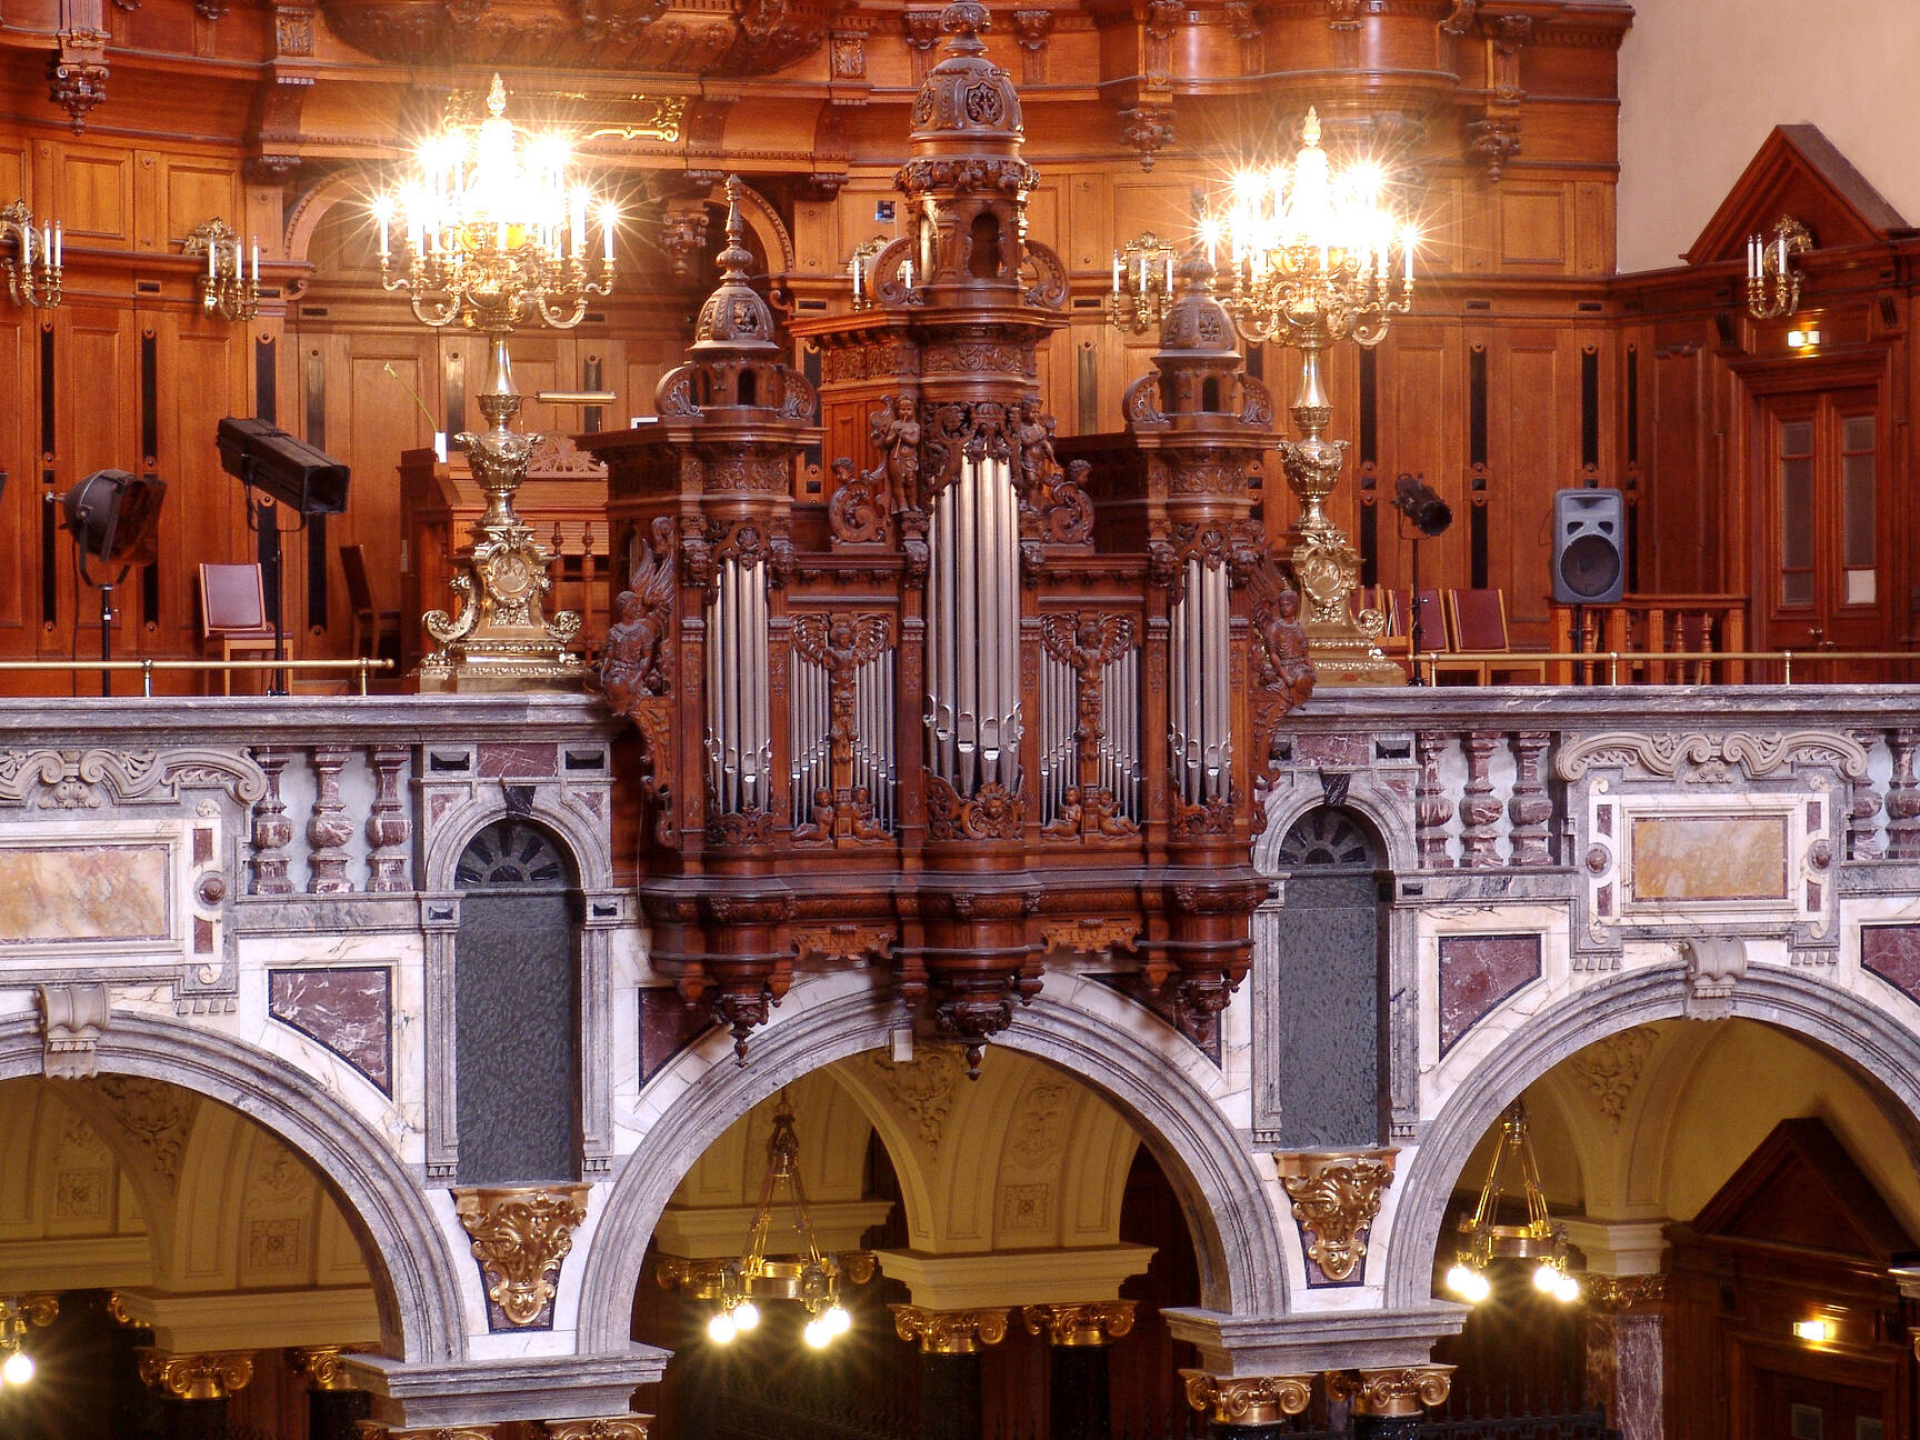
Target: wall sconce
{"type": "Point", "coordinates": [1816, 1332]}
{"type": "Point", "coordinates": [1142, 284]}
{"type": "Point", "coordinates": [34, 270]}
{"type": "Point", "coordinates": [1773, 286]}
{"type": "Point", "coordinates": [865, 255]}
{"type": "Point", "coordinates": [1803, 339]}
{"type": "Point", "coordinates": [226, 288]}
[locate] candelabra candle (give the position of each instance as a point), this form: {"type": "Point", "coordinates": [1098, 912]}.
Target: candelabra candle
{"type": "Point", "coordinates": [1773, 285]}
{"type": "Point", "coordinates": [1142, 284]}
{"type": "Point", "coordinates": [34, 270]}
{"type": "Point", "coordinates": [227, 289]}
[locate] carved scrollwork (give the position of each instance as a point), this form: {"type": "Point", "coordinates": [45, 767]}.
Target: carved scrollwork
{"type": "Point", "coordinates": [1141, 404]}
{"type": "Point", "coordinates": [1049, 289]}
{"type": "Point", "coordinates": [1335, 1200]}
{"type": "Point", "coordinates": [520, 1235]}
{"type": "Point", "coordinates": [1664, 755]}
{"type": "Point", "coordinates": [991, 813]}
{"type": "Point", "coordinates": [1247, 1399]}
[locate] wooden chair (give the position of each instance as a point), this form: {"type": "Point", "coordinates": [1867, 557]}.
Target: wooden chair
{"type": "Point", "coordinates": [1478, 621]}
{"type": "Point", "coordinates": [233, 615]}
{"type": "Point", "coordinates": [372, 626]}
{"type": "Point", "coordinates": [1431, 632]}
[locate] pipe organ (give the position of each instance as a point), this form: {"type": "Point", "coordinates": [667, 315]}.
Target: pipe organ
{"type": "Point", "coordinates": [995, 698]}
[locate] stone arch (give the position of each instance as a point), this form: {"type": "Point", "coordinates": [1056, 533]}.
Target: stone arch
{"type": "Point", "coordinates": [414, 1278]}
{"type": "Point", "coordinates": [578, 835]}
{"type": "Point", "coordinates": [1365, 798]}
{"type": "Point", "coordinates": [1226, 1202]}
{"type": "Point", "coordinates": [1869, 1039]}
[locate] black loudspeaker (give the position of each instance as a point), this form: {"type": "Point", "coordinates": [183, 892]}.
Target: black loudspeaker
{"type": "Point", "coordinates": [1589, 547]}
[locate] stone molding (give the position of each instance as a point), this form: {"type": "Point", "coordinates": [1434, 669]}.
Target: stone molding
{"type": "Point", "coordinates": [196, 1377]}
{"type": "Point", "coordinates": [949, 1332]}
{"type": "Point", "coordinates": [520, 1235]}
{"type": "Point", "coordinates": [1386, 1393]}
{"type": "Point", "coordinates": [1336, 1196]}
{"type": "Point", "coordinates": [1247, 1399]}
{"type": "Point", "coordinates": [1085, 1324]}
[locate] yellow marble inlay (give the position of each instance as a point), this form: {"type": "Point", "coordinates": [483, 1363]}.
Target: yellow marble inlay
{"type": "Point", "coordinates": [1710, 857]}
{"type": "Point", "coordinates": [83, 892]}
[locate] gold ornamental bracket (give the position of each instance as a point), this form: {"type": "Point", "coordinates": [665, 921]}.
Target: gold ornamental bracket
{"type": "Point", "coordinates": [1247, 1399]}
{"type": "Point", "coordinates": [1336, 1197]}
{"type": "Point", "coordinates": [1083, 1325]}
{"type": "Point", "coordinates": [212, 1376]}
{"type": "Point", "coordinates": [520, 1235]}
{"type": "Point", "coordinates": [949, 1332]}
{"type": "Point", "coordinates": [324, 1367]}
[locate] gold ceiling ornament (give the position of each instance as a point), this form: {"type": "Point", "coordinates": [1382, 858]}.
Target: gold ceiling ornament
{"type": "Point", "coordinates": [34, 270]}
{"type": "Point", "coordinates": [1081, 1325]}
{"type": "Point", "coordinates": [1335, 1200]}
{"type": "Point", "coordinates": [808, 1274]}
{"type": "Point", "coordinates": [949, 1332]}
{"type": "Point", "coordinates": [1773, 285]}
{"type": "Point", "coordinates": [324, 1366]}
{"type": "Point", "coordinates": [1396, 1392]}
{"type": "Point", "coordinates": [211, 1376]}
{"type": "Point", "coordinates": [1316, 256]}
{"type": "Point", "coordinates": [495, 234]}
{"type": "Point", "coordinates": [1247, 1399]}
{"type": "Point", "coordinates": [1483, 1239]}
{"type": "Point", "coordinates": [653, 117]}
{"type": "Point", "coordinates": [603, 1427]}
{"type": "Point", "coordinates": [520, 1235]}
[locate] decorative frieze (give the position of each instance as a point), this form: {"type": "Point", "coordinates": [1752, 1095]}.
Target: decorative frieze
{"type": "Point", "coordinates": [520, 1236]}
{"type": "Point", "coordinates": [949, 1332]}
{"type": "Point", "coordinates": [1335, 1200]}
{"type": "Point", "coordinates": [1247, 1399]}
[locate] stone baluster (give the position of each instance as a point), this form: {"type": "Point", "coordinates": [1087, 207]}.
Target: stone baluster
{"type": "Point", "coordinates": [194, 1390]}
{"type": "Point", "coordinates": [1530, 807]}
{"type": "Point", "coordinates": [1903, 799]}
{"type": "Point", "coordinates": [1479, 811]}
{"type": "Point", "coordinates": [1863, 841]}
{"type": "Point", "coordinates": [388, 829]}
{"type": "Point", "coordinates": [950, 1343]}
{"type": "Point", "coordinates": [272, 831]}
{"type": "Point", "coordinates": [328, 828]}
{"type": "Point", "coordinates": [334, 1407]}
{"type": "Point", "coordinates": [1079, 1386]}
{"type": "Point", "coordinates": [1247, 1407]}
{"type": "Point", "coordinates": [1431, 807]}
{"type": "Point", "coordinates": [1387, 1403]}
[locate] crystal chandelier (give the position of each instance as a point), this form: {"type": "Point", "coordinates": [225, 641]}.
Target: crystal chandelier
{"type": "Point", "coordinates": [494, 234]}
{"type": "Point", "coordinates": [1483, 1239]}
{"type": "Point", "coordinates": [807, 1274]}
{"type": "Point", "coordinates": [1316, 256]}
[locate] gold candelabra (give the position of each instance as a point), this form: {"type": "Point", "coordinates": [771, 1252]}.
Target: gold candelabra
{"type": "Point", "coordinates": [1483, 1239]}
{"type": "Point", "coordinates": [860, 269]}
{"type": "Point", "coordinates": [495, 236]}
{"type": "Point", "coordinates": [1143, 280]}
{"type": "Point", "coordinates": [226, 289]}
{"type": "Point", "coordinates": [34, 269]}
{"type": "Point", "coordinates": [1316, 257]}
{"type": "Point", "coordinates": [1773, 285]}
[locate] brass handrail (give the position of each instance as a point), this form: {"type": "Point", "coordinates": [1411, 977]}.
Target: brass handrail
{"type": "Point", "coordinates": [147, 667]}
{"type": "Point", "coordinates": [1614, 657]}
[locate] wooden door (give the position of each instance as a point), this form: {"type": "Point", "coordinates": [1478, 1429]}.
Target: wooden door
{"type": "Point", "coordinates": [1825, 556]}
{"type": "Point", "coordinates": [1804, 1407]}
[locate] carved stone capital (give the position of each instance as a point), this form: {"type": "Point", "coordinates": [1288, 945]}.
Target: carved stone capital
{"type": "Point", "coordinates": [603, 1427]}
{"type": "Point", "coordinates": [1335, 1199]}
{"type": "Point", "coordinates": [1247, 1399]}
{"type": "Point", "coordinates": [324, 1366]}
{"type": "Point", "coordinates": [1086, 1324]}
{"type": "Point", "coordinates": [374, 1430]}
{"type": "Point", "coordinates": [520, 1235]}
{"type": "Point", "coordinates": [196, 1377]}
{"type": "Point", "coordinates": [1614, 1293]}
{"type": "Point", "coordinates": [949, 1332]}
{"type": "Point", "coordinates": [71, 1018]}
{"type": "Point", "coordinates": [1401, 1391]}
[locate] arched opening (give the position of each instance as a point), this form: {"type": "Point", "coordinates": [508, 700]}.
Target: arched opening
{"type": "Point", "coordinates": [1210, 395]}
{"type": "Point", "coordinates": [1317, 1051]}
{"type": "Point", "coordinates": [516, 1008]}
{"type": "Point", "coordinates": [983, 250]}
{"type": "Point", "coordinates": [1025, 1187]}
{"type": "Point", "coordinates": [747, 388]}
{"type": "Point", "coordinates": [1717, 1185]}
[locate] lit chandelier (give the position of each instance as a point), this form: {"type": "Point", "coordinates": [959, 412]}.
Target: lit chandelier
{"type": "Point", "coordinates": [18, 1314]}
{"type": "Point", "coordinates": [1483, 1240]}
{"type": "Point", "coordinates": [494, 235]}
{"type": "Point", "coordinates": [1318, 256]}
{"type": "Point", "coordinates": [809, 1274]}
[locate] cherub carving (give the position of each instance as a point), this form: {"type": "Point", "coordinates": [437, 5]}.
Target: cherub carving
{"type": "Point", "coordinates": [840, 644]}
{"type": "Point", "coordinates": [1088, 642]}
{"type": "Point", "coordinates": [896, 436]}
{"type": "Point", "coordinates": [634, 663]}
{"type": "Point", "coordinates": [1287, 669]}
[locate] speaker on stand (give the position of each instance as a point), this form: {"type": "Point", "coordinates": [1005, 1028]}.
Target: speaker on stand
{"type": "Point", "coordinates": [1589, 555]}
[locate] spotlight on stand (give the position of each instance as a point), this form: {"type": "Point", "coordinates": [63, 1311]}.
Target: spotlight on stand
{"type": "Point", "coordinates": [263, 457]}
{"type": "Point", "coordinates": [1431, 516]}
{"type": "Point", "coordinates": [114, 518]}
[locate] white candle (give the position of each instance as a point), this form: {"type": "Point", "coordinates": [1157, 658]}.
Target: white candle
{"type": "Point", "coordinates": [1116, 272]}
{"type": "Point", "coordinates": [1169, 272]}
{"type": "Point", "coordinates": [1783, 254]}
{"type": "Point", "coordinates": [256, 262]}
{"type": "Point", "coordinates": [46, 243]}
{"type": "Point", "coordinates": [59, 242]}
{"type": "Point", "coordinates": [606, 234]}
{"type": "Point", "coordinates": [385, 250]}
{"type": "Point", "coordinates": [213, 259]}
{"type": "Point", "coordinates": [906, 273]}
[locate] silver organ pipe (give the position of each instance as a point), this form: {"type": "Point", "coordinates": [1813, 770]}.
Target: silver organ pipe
{"type": "Point", "coordinates": [1200, 685]}
{"type": "Point", "coordinates": [873, 763]}
{"type": "Point", "coordinates": [739, 727]}
{"type": "Point", "coordinates": [974, 629]}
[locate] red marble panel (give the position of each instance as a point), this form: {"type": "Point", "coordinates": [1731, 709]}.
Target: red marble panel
{"type": "Point", "coordinates": [1477, 972]}
{"type": "Point", "coordinates": [1893, 953]}
{"type": "Point", "coordinates": [667, 1026]}
{"type": "Point", "coordinates": [350, 1011]}
{"type": "Point", "coordinates": [1354, 750]}
{"type": "Point", "coordinates": [526, 761]}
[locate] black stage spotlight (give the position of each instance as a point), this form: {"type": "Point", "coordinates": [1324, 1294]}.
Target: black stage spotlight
{"type": "Point", "coordinates": [113, 517]}
{"type": "Point", "coordinates": [1421, 504]}
{"type": "Point", "coordinates": [305, 480]}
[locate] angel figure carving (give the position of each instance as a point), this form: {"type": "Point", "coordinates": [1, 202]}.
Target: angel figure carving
{"type": "Point", "coordinates": [896, 439]}
{"type": "Point", "coordinates": [1287, 668]}
{"type": "Point", "coordinates": [634, 663]}
{"type": "Point", "coordinates": [840, 644]}
{"type": "Point", "coordinates": [1088, 642]}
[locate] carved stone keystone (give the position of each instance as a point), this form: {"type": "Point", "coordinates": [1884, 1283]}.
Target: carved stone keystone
{"type": "Point", "coordinates": [1336, 1196]}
